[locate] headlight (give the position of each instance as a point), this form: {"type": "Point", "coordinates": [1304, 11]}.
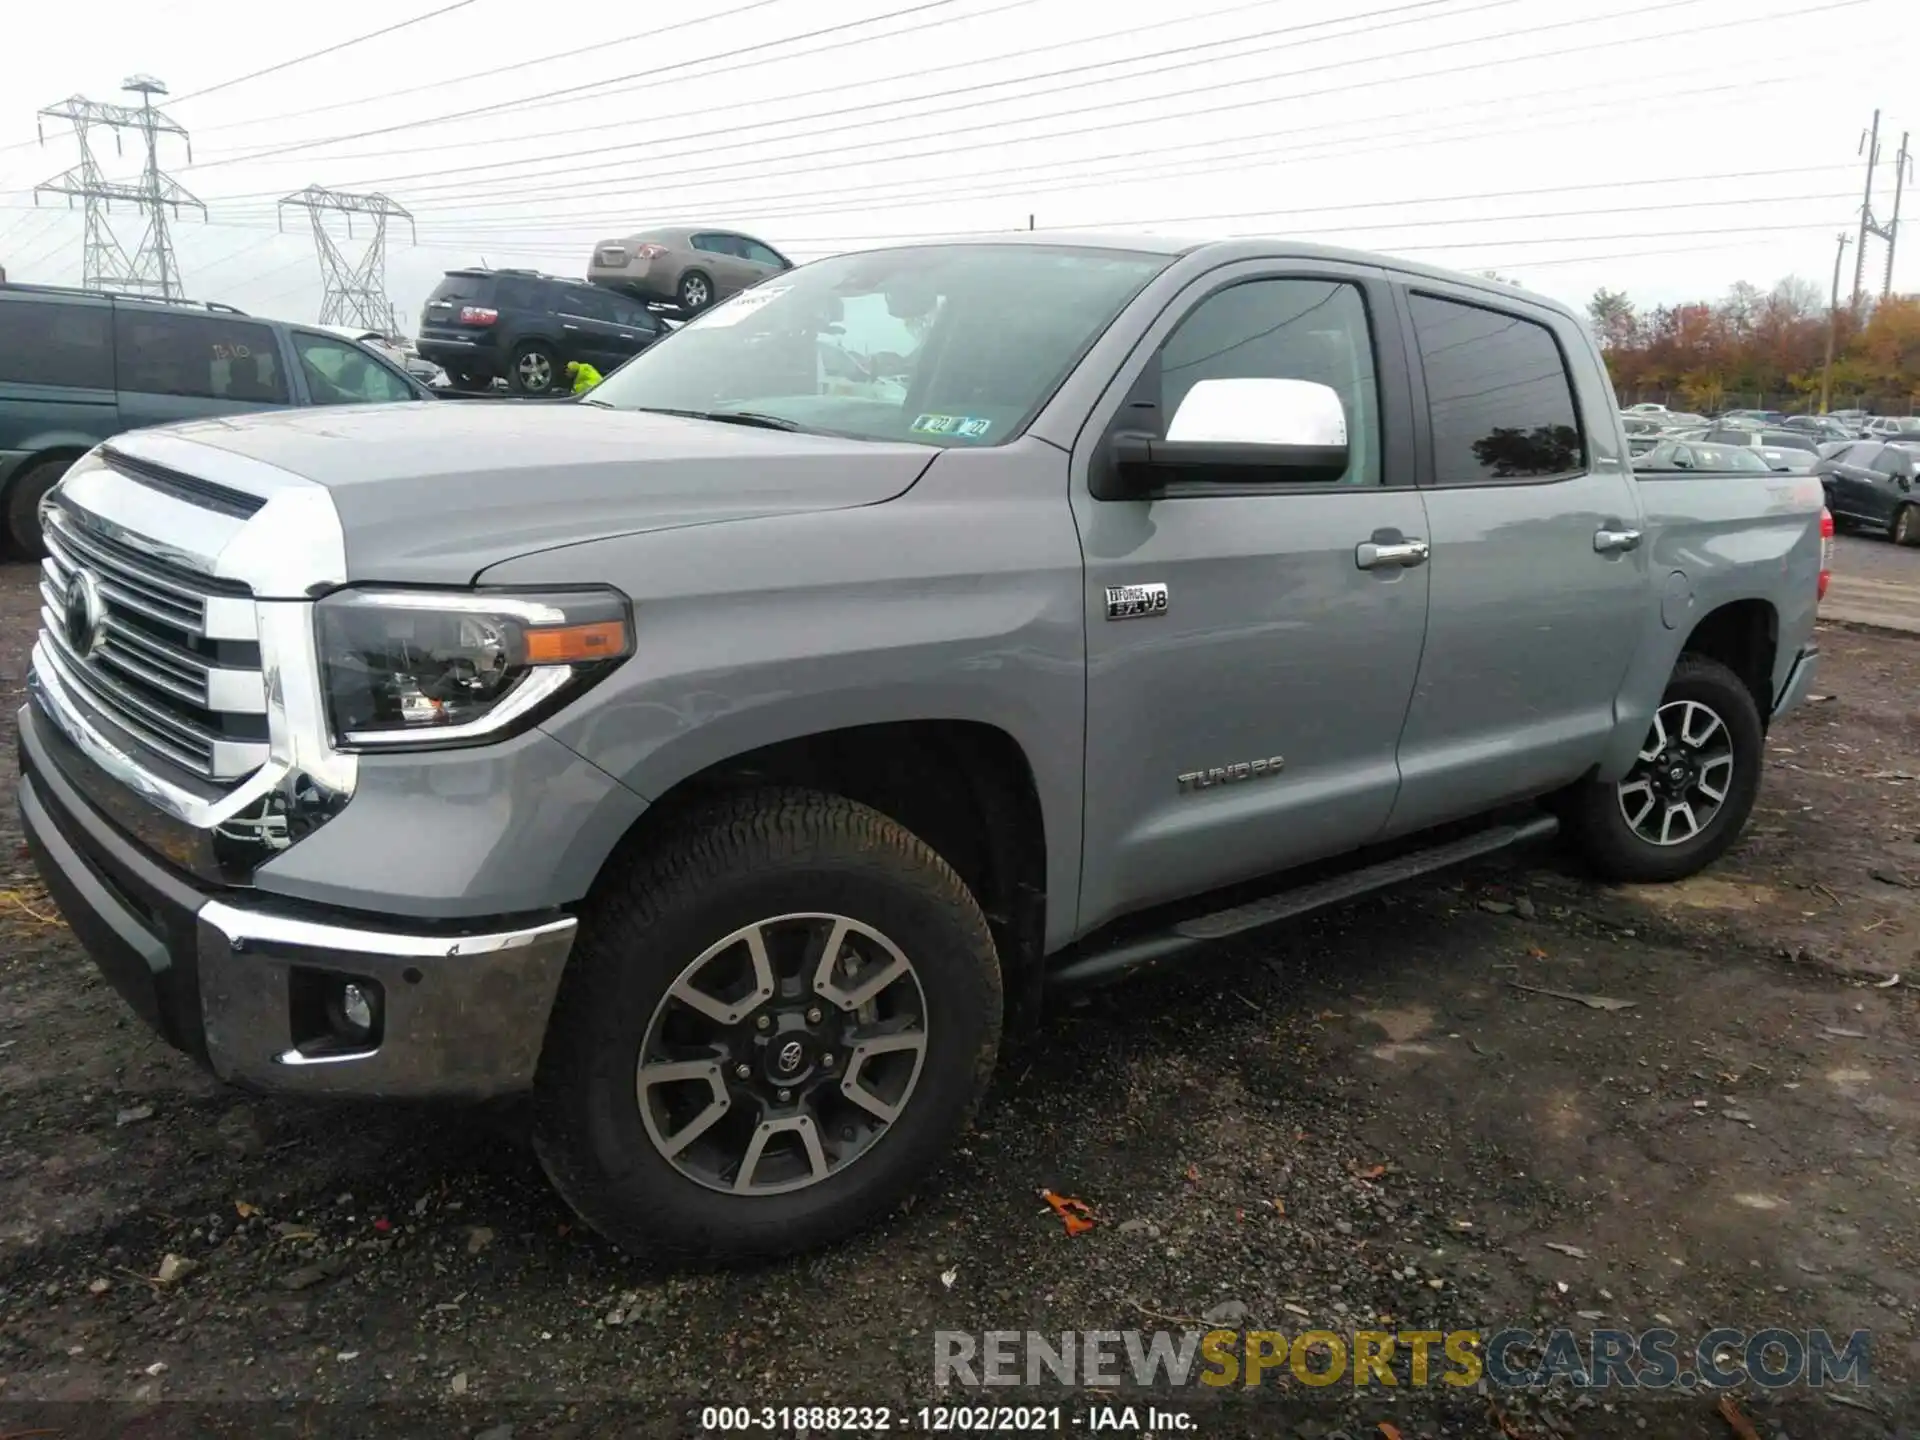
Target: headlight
{"type": "Point", "coordinates": [420, 667]}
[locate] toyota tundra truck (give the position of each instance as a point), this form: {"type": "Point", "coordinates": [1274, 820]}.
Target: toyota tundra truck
{"type": "Point", "coordinates": [725, 761]}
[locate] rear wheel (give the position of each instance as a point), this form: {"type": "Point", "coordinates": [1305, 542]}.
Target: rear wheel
{"type": "Point", "coordinates": [696, 291]}
{"type": "Point", "coordinates": [1906, 525]}
{"type": "Point", "coordinates": [1690, 789]}
{"type": "Point", "coordinates": [23, 506]}
{"type": "Point", "coordinates": [773, 1024]}
{"type": "Point", "coordinates": [535, 372]}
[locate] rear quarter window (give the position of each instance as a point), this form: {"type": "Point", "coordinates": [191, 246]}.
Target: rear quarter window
{"type": "Point", "coordinates": [50, 343]}
{"type": "Point", "coordinates": [467, 288]}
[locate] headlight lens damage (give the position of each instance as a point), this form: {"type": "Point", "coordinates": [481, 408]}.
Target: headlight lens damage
{"type": "Point", "coordinates": [409, 668]}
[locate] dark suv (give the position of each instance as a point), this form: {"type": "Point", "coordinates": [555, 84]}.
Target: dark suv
{"type": "Point", "coordinates": [78, 367]}
{"type": "Point", "coordinates": [524, 327]}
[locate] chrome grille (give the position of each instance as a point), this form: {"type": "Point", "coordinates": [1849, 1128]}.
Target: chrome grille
{"type": "Point", "coordinates": [172, 659]}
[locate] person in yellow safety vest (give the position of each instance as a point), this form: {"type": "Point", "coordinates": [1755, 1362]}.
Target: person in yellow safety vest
{"type": "Point", "coordinates": [584, 376]}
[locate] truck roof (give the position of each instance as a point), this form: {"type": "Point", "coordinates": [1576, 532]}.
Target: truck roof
{"type": "Point", "coordinates": [1222, 252]}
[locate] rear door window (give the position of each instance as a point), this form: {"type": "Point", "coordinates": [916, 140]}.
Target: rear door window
{"type": "Point", "coordinates": [1499, 395]}
{"type": "Point", "coordinates": [520, 292]}
{"type": "Point", "coordinates": [210, 356]}
{"type": "Point", "coordinates": [589, 303]}
{"type": "Point", "coordinates": [51, 343]}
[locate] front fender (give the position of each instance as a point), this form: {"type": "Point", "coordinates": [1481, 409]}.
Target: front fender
{"type": "Point", "coordinates": [959, 601]}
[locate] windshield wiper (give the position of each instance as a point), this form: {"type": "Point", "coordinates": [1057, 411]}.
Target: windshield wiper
{"type": "Point", "coordinates": [726, 417]}
{"type": "Point", "coordinates": [750, 417]}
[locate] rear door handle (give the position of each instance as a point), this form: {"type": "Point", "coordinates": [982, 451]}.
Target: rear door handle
{"type": "Point", "coordinates": [565, 326]}
{"type": "Point", "coordinates": [1390, 554]}
{"type": "Point", "coordinates": [1615, 542]}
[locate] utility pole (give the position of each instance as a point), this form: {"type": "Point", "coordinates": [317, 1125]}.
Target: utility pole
{"type": "Point", "coordinates": [1833, 323]}
{"type": "Point", "coordinates": [1902, 169]}
{"type": "Point", "coordinates": [352, 293]}
{"type": "Point", "coordinates": [104, 263]}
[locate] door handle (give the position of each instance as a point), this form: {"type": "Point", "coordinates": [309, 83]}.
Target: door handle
{"type": "Point", "coordinates": [1615, 542]}
{"type": "Point", "coordinates": [565, 326]}
{"type": "Point", "coordinates": [1390, 554]}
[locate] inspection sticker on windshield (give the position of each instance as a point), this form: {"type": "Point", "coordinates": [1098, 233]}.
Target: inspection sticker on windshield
{"type": "Point", "coordinates": [732, 312]}
{"type": "Point", "coordinates": [965, 427]}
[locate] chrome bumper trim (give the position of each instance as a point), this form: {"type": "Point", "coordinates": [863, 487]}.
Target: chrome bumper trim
{"type": "Point", "coordinates": [464, 1016]}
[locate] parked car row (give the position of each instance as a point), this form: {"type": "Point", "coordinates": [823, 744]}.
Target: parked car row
{"type": "Point", "coordinates": [524, 328]}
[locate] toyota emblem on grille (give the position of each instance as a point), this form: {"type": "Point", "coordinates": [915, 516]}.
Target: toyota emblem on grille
{"type": "Point", "coordinates": [86, 613]}
{"type": "Point", "coordinates": [789, 1057]}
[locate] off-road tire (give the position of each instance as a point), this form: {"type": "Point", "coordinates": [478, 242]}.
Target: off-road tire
{"type": "Point", "coordinates": [1600, 830]}
{"type": "Point", "coordinates": [23, 506]}
{"type": "Point", "coordinates": [749, 857]}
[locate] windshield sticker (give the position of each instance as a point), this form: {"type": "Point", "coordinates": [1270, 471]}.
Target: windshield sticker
{"type": "Point", "coordinates": [732, 312]}
{"type": "Point", "coordinates": [964, 427]}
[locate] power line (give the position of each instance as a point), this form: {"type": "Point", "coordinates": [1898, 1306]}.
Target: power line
{"type": "Point", "coordinates": [600, 47]}
{"type": "Point", "coordinates": [1055, 89]}
{"type": "Point", "coordinates": [328, 50]}
{"type": "Point", "coordinates": [924, 5]}
{"type": "Point", "coordinates": [783, 166]}
{"type": "Point", "coordinates": [1293, 233]}
{"type": "Point", "coordinates": [597, 47]}
{"type": "Point", "coordinates": [1057, 180]}
{"type": "Point", "coordinates": [1423, 134]}
{"type": "Point", "coordinates": [1079, 43]}
{"type": "Point", "coordinates": [297, 60]}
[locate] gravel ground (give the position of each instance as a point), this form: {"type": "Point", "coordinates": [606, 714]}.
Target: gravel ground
{"type": "Point", "coordinates": [1366, 1119]}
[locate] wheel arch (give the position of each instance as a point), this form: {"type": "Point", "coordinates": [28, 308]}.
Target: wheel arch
{"type": "Point", "coordinates": [1744, 636]}
{"type": "Point", "coordinates": [40, 449]}
{"type": "Point", "coordinates": [965, 787]}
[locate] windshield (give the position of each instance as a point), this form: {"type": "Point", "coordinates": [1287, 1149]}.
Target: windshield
{"type": "Point", "coordinates": [934, 344]}
{"type": "Point", "coordinates": [1786, 440]}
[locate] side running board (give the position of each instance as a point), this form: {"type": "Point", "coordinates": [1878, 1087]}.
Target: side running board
{"type": "Point", "coordinates": [1298, 900]}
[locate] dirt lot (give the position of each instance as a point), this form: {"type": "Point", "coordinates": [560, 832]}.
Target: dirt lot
{"type": "Point", "coordinates": [1363, 1116]}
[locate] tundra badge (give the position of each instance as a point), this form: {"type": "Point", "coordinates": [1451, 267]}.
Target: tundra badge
{"type": "Point", "coordinates": [1136, 602]}
{"type": "Point", "coordinates": [1231, 774]}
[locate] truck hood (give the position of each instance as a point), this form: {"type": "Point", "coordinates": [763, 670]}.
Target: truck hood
{"type": "Point", "coordinates": [437, 492]}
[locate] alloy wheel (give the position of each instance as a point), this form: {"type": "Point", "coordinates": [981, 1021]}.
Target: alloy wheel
{"type": "Point", "coordinates": [536, 371]}
{"type": "Point", "coordinates": [1682, 776]}
{"type": "Point", "coordinates": [782, 1054]}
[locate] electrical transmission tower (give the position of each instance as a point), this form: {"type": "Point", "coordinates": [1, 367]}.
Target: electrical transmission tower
{"type": "Point", "coordinates": [104, 263]}
{"type": "Point", "coordinates": [354, 294]}
{"type": "Point", "coordinates": [1889, 232]}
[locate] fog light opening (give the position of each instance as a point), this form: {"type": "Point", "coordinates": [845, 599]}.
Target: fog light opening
{"type": "Point", "coordinates": [335, 1014]}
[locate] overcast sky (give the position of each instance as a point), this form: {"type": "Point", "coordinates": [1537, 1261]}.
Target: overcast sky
{"type": "Point", "coordinates": [1665, 149]}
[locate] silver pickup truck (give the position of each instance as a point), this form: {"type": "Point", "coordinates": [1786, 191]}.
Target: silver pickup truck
{"type": "Point", "coordinates": [727, 759]}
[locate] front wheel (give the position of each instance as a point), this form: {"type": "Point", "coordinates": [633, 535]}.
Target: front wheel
{"type": "Point", "coordinates": [1906, 525]}
{"type": "Point", "coordinates": [774, 1023]}
{"type": "Point", "coordinates": [1690, 789]}
{"type": "Point", "coordinates": [29, 488]}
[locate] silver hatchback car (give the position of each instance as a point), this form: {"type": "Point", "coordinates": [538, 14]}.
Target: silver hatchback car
{"type": "Point", "coordinates": [691, 268]}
